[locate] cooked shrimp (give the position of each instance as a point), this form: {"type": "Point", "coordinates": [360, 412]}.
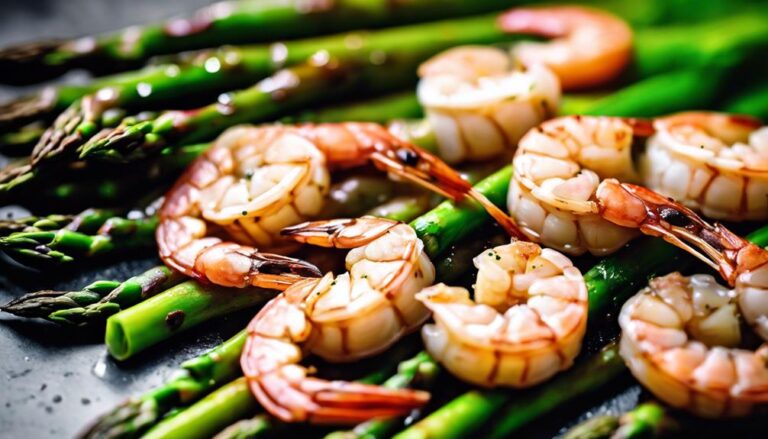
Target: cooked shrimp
{"type": "Point", "coordinates": [557, 169]}
{"type": "Point", "coordinates": [254, 181]}
{"type": "Point", "coordinates": [742, 264]}
{"type": "Point", "coordinates": [340, 318]}
{"type": "Point", "coordinates": [679, 338]}
{"type": "Point", "coordinates": [526, 323]}
{"type": "Point", "coordinates": [714, 163]}
{"type": "Point", "coordinates": [479, 104]}
{"type": "Point", "coordinates": [590, 47]}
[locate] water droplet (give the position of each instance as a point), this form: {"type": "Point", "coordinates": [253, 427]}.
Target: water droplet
{"type": "Point", "coordinates": [212, 65]}
{"type": "Point", "coordinates": [100, 368]}
{"type": "Point", "coordinates": [320, 58]}
{"type": "Point", "coordinates": [144, 89]}
{"type": "Point", "coordinates": [279, 53]}
{"type": "Point", "coordinates": [172, 71]}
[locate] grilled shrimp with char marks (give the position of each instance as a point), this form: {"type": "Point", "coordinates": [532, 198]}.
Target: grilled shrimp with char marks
{"type": "Point", "coordinates": [233, 201]}
{"type": "Point", "coordinates": [340, 318]}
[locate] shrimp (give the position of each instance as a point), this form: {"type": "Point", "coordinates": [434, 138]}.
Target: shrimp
{"type": "Point", "coordinates": [254, 181]}
{"type": "Point", "coordinates": [479, 105]}
{"type": "Point", "coordinates": [340, 318]}
{"type": "Point", "coordinates": [712, 162]}
{"type": "Point", "coordinates": [481, 100]}
{"type": "Point", "coordinates": [742, 264]}
{"type": "Point", "coordinates": [557, 169]}
{"type": "Point", "coordinates": [590, 47]}
{"type": "Point", "coordinates": [526, 323]}
{"type": "Point", "coordinates": [679, 338]}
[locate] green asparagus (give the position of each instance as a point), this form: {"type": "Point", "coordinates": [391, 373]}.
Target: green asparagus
{"type": "Point", "coordinates": [245, 21]}
{"type": "Point", "coordinates": [234, 401]}
{"type": "Point", "coordinates": [95, 302]}
{"type": "Point", "coordinates": [196, 378]}
{"type": "Point", "coordinates": [208, 72]}
{"type": "Point", "coordinates": [42, 249]}
{"type": "Point", "coordinates": [745, 38]}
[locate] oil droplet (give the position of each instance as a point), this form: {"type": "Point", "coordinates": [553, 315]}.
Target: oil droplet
{"type": "Point", "coordinates": [144, 89]}
{"type": "Point", "coordinates": [100, 368]}
{"type": "Point", "coordinates": [212, 65]}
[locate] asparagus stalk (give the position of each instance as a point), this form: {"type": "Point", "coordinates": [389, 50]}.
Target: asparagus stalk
{"type": "Point", "coordinates": [95, 302]}
{"type": "Point", "coordinates": [245, 21]}
{"type": "Point", "coordinates": [87, 221]}
{"type": "Point", "coordinates": [254, 427]}
{"type": "Point", "coordinates": [234, 401]}
{"type": "Point", "coordinates": [610, 282]}
{"type": "Point", "coordinates": [654, 55]}
{"type": "Point", "coordinates": [42, 249]}
{"type": "Point", "coordinates": [209, 72]}
{"type": "Point", "coordinates": [287, 90]}
{"type": "Point", "coordinates": [644, 421]}
{"type": "Point", "coordinates": [195, 378]}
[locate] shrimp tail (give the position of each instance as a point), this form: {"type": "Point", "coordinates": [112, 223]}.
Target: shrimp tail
{"type": "Point", "coordinates": [340, 233]}
{"type": "Point", "coordinates": [233, 265]}
{"type": "Point", "coordinates": [292, 396]}
{"type": "Point", "coordinates": [634, 206]}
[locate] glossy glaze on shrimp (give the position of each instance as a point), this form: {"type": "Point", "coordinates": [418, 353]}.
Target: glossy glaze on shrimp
{"type": "Point", "coordinates": [233, 201]}
{"type": "Point", "coordinates": [589, 47]}
{"type": "Point", "coordinates": [340, 318]}
{"type": "Point", "coordinates": [714, 163]}
{"type": "Point", "coordinates": [479, 104]}
{"type": "Point", "coordinates": [526, 323]}
{"type": "Point", "coordinates": [557, 169]}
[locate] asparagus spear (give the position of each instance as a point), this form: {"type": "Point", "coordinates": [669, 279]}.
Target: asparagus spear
{"type": "Point", "coordinates": [287, 90]}
{"type": "Point", "coordinates": [207, 72]}
{"type": "Point", "coordinates": [245, 21]}
{"type": "Point", "coordinates": [654, 55]}
{"type": "Point", "coordinates": [41, 249]}
{"type": "Point", "coordinates": [644, 421]}
{"type": "Point", "coordinates": [95, 302]}
{"type": "Point", "coordinates": [234, 401]}
{"type": "Point", "coordinates": [195, 378]}
{"type": "Point", "coordinates": [87, 221]}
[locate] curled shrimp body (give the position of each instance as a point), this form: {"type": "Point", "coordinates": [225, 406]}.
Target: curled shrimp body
{"type": "Point", "coordinates": [254, 181]}
{"type": "Point", "coordinates": [340, 318]}
{"type": "Point", "coordinates": [526, 323]}
{"type": "Point", "coordinates": [589, 47]}
{"type": "Point", "coordinates": [680, 337]}
{"type": "Point", "coordinates": [479, 104]}
{"type": "Point", "coordinates": [557, 169]}
{"type": "Point", "coordinates": [712, 162]}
